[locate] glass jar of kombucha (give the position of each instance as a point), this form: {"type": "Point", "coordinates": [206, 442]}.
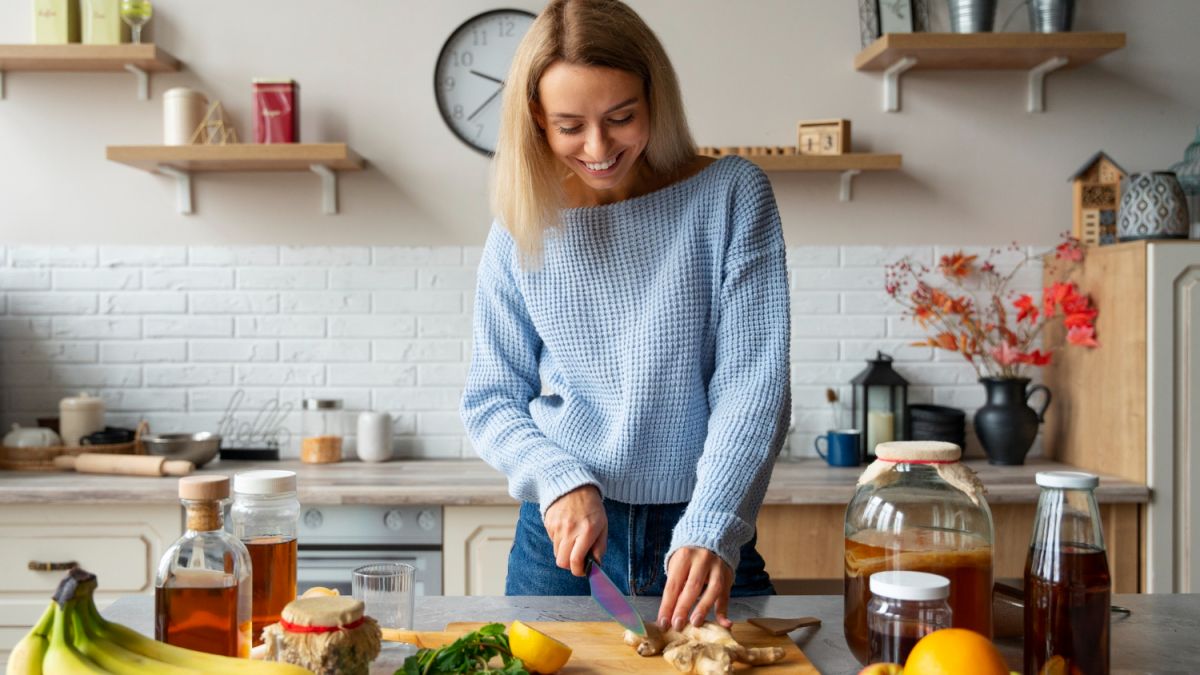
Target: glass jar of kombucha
{"type": "Point", "coordinates": [202, 587]}
{"type": "Point", "coordinates": [918, 509]}
{"type": "Point", "coordinates": [265, 517]}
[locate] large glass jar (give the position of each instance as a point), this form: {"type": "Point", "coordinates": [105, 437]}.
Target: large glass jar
{"type": "Point", "coordinates": [917, 508]}
{"type": "Point", "coordinates": [324, 427]}
{"type": "Point", "coordinates": [265, 517]}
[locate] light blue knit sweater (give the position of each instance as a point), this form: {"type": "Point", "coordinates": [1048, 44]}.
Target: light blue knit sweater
{"type": "Point", "coordinates": [647, 356]}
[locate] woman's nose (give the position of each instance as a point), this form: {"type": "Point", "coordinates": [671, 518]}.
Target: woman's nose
{"type": "Point", "coordinates": [597, 144]}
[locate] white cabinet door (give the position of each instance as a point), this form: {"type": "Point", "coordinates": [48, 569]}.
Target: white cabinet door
{"type": "Point", "coordinates": [475, 548]}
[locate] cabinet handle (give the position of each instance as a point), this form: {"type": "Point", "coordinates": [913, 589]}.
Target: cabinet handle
{"type": "Point", "coordinates": [38, 566]}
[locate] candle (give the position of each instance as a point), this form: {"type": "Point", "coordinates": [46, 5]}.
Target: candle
{"type": "Point", "coordinates": [881, 428]}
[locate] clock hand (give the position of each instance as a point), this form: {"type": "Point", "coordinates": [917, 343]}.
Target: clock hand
{"type": "Point", "coordinates": [487, 77]}
{"type": "Point", "coordinates": [484, 104]}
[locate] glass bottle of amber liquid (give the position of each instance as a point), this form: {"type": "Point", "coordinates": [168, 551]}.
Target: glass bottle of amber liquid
{"type": "Point", "coordinates": [202, 588]}
{"type": "Point", "coordinates": [265, 516]}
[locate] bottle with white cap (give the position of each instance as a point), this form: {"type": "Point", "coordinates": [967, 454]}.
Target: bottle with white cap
{"type": "Point", "coordinates": [905, 607]}
{"type": "Point", "coordinates": [1068, 590]}
{"type": "Point", "coordinates": [265, 517]}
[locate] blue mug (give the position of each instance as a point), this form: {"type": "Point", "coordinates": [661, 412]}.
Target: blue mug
{"type": "Point", "coordinates": [842, 447]}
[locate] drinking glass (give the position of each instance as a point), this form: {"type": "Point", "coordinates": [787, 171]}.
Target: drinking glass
{"type": "Point", "coordinates": [136, 13]}
{"type": "Point", "coordinates": [387, 591]}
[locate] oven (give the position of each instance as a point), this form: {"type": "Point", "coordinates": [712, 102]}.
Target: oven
{"type": "Point", "coordinates": [333, 540]}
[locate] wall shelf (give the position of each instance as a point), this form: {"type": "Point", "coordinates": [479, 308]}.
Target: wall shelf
{"type": "Point", "coordinates": [139, 59]}
{"type": "Point", "coordinates": [180, 161]}
{"type": "Point", "coordinates": [848, 165]}
{"type": "Point", "coordinates": [1038, 53]}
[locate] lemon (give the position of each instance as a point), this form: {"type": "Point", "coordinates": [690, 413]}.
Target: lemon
{"type": "Point", "coordinates": [539, 652]}
{"type": "Point", "coordinates": [319, 591]}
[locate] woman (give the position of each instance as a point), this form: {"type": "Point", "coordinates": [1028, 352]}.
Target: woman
{"type": "Point", "coordinates": [629, 372]}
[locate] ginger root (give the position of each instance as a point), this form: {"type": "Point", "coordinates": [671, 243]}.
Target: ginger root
{"type": "Point", "coordinates": [705, 650]}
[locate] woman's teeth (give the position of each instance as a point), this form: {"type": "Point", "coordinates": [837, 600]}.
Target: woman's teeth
{"type": "Point", "coordinates": [604, 166]}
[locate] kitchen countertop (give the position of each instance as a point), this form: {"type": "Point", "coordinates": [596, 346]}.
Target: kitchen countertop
{"type": "Point", "coordinates": [1158, 637]}
{"type": "Point", "coordinates": [472, 482]}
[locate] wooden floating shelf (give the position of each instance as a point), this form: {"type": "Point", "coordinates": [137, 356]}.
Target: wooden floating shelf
{"type": "Point", "coordinates": [1038, 53]}
{"type": "Point", "coordinates": [849, 164]}
{"type": "Point", "coordinates": [180, 161]}
{"type": "Point", "coordinates": [139, 59]}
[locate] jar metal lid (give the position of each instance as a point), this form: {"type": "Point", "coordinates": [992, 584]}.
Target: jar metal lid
{"type": "Point", "coordinates": [1067, 480]}
{"type": "Point", "coordinates": [322, 404]}
{"type": "Point", "coordinates": [910, 585]}
{"type": "Point", "coordinates": [265, 482]}
{"type": "Point", "coordinates": [83, 401]}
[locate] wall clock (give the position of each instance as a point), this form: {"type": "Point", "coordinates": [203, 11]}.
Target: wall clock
{"type": "Point", "coordinates": [470, 71]}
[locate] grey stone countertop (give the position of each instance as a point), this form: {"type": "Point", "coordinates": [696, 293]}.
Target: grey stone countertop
{"type": "Point", "coordinates": [1158, 637]}
{"type": "Point", "coordinates": [472, 482]}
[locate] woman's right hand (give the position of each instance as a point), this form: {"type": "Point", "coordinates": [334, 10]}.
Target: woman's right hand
{"type": "Point", "coordinates": [576, 523]}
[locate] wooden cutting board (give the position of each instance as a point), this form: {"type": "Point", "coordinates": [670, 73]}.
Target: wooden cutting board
{"type": "Point", "coordinates": [597, 648]}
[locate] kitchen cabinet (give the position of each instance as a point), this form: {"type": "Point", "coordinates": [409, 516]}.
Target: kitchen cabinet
{"type": "Point", "coordinates": [1131, 408]}
{"type": "Point", "coordinates": [475, 545]}
{"type": "Point", "coordinates": [120, 544]}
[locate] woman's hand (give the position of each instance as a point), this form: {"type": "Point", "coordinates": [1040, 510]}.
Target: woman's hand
{"type": "Point", "coordinates": [695, 576]}
{"type": "Point", "coordinates": [576, 523]}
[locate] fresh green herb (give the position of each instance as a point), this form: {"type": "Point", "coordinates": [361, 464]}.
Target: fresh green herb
{"type": "Point", "coordinates": [468, 655]}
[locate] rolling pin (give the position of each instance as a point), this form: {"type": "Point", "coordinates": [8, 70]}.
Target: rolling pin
{"type": "Point", "coordinates": [128, 465]}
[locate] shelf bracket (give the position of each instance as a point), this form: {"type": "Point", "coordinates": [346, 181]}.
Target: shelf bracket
{"type": "Point", "coordinates": [183, 188]}
{"type": "Point", "coordinates": [847, 183]}
{"type": "Point", "coordinates": [1, 84]}
{"type": "Point", "coordinates": [891, 83]}
{"type": "Point", "coordinates": [143, 81]}
{"type": "Point", "coordinates": [1037, 82]}
{"type": "Point", "coordinates": [329, 205]}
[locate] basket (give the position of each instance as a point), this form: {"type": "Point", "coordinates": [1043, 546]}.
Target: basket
{"type": "Point", "coordinates": [42, 459]}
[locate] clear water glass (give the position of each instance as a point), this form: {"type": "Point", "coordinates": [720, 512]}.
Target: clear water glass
{"type": "Point", "coordinates": [387, 591]}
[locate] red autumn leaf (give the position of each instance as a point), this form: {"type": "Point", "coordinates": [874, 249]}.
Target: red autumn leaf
{"type": "Point", "coordinates": [957, 264]}
{"type": "Point", "coordinates": [1034, 358]}
{"type": "Point", "coordinates": [1026, 310]}
{"type": "Point", "coordinates": [1084, 336]}
{"type": "Point", "coordinates": [1005, 354]}
{"type": "Point", "coordinates": [1069, 250]}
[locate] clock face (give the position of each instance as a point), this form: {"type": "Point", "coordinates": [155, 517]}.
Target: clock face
{"type": "Point", "coordinates": [470, 74]}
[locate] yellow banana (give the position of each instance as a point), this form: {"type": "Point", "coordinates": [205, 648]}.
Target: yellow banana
{"type": "Point", "coordinates": [26, 657]}
{"type": "Point", "coordinates": [115, 658]}
{"type": "Point", "coordinates": [61, 657]}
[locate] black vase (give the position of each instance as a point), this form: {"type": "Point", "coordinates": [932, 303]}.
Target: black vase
{"type": "Point", "coordinates": [1006, 425]}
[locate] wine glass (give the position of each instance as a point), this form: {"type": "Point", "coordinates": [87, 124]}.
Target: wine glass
{"type": "Point", "coordinates": [136, 13]}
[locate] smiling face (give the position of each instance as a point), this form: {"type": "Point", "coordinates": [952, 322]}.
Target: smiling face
{"type": "Point", "coordinates": [597, 123]}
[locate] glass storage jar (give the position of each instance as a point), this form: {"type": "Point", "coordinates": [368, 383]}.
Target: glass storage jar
{"type": "Point", "coordinates": [265, 517]}
{"type": "Point", "coordinates": [918, 509]}
{"type": "Point", "coordinates": [323, 431]}
{"type": "Point", "coordinates": [904, 607]}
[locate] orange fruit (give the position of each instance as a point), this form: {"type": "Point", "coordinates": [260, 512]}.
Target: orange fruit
{"type": "Point", "coordinates": [953, 651]}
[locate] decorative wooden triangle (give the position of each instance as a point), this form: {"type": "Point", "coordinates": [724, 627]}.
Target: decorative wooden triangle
{"type": "Point", "coordinates": [213, 129]}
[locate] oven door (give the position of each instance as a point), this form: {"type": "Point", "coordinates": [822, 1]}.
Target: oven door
{"type": "Point", "coordinates": [332, 568]}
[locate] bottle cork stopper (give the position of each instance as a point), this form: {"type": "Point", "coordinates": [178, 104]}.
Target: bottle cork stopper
{"type": "Point", "coordinates": [204, 488]}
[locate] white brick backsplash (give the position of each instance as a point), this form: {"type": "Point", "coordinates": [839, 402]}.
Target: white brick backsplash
{"type": "Point", "coordinates": [449, 279]}
{"type": "Point", "coordinates": [103, 327]}
{"type": "Point", "coordinates": [825, 374]}
{"type": "Point", "coordinates": [373, 375]}
{"type": "Point", "coordinates": [49, 302]}
{"type": "Point", "coordinates": [392, 399]}
{"type": "Point", "coordinates": [372, 326]}
{"type": "Point", "coordinates": [280, 374]}
{"type": "Point", "coordinates": [440, 423]}
{"type": "Point", "coordinates": [190, 279]}
{"type": "Point", "coordinates": [882, 256]}
{"type": "Point", "coordinates": [906, 327]}
{"type": "Point", "coordinates": [821, 326]}
{"type": "Point", "coordinates": [372, 278]}
{"type": "Point", "coordinates": [279, 278]}
{"type": "Point", "coordinates": [73, 375]}
{"type": "Point", "coordinates": [938, 373]}
{"type": "Point", "coordinates": [228, 256]}
{"type": "Point", "coordinates": [814, 303]}
{"type": "Point", "coordinates": [324, 351]}
{"type": "Point", "coordinates": [48, 351]}
{"type": "Point", "coordinates": [52, 256]}
{"type": "Point", "coordinates": [814, 350]}
{"type": "Point", "coordinates": [280, 326]}
{"type": "Point", "coordinates": [812, 256]}
{"type": "Point", "coordinates": [444, 326]}
{"type": "Point", "coordinates": [397, 255]}
{"type": "Point", "coordinates": [24, 279]}
{"type": "Point", "coordinates": [869, 302]}
{"type": "Point", "coordinates": [150, 351]}
{"type": "Point", "coordinates": [148, 256]}
{"type": "Point", "coordinates": [418, 302]}
{"type": "Point", "coordinates": [250, 400]}
{"type": "Point", "coordinates": [442, 374]}
{"type": "Point", "coordinates": [414, 351]}
{"type": "Point", "coordinates": [404, 423]}
{"type": "Point", "coordinates": [238, 302]}
{"type": "Point", "coordinates": [233, 351]}
{"type": "Point", "coordinates": [187, 326]}
{"type": "Point", "coordinates": [143, 303]}
{"type": "Point", "coordinates": [144, 400]}
{"type": "Point", "coordinates": [900, 350]}
{"type": "Point", "coordinates": [354, 400]}
{"type": "Point", "coordinates": [471, 255]}
{"type": "Point", "coordinates": [24, 328]}
{"type": "Point", "coordinates": [188, 376]}
{"type": "Point", "coordinates": [325, 302]}
{"type": "Point", "coordinates": [325, 256]}
{"type": "Point", "coordinates": [967, 397]}
{"type": "Point", "coordinates": [826, 278]}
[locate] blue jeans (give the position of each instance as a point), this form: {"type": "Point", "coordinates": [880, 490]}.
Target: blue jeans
{"type": "Point", "coordinates": [639, 536]}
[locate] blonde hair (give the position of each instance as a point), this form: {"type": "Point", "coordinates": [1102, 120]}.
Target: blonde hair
{"type": "Point", "coordinates": [527, 191]}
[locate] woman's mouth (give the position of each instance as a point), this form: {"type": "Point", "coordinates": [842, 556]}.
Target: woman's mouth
{"type": "Point", "coordinates": [601, 169]}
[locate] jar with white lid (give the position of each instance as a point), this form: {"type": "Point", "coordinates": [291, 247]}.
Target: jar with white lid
{"type": "Point", "coordinates": [324, 428]}
{"type": "Point", "coordinates": [265, 517]}
{"type": "Point", "coordinates": [79, 416]}
{"type": "Point", "coordinates": [904, 607]}
{"type": "Point", "coordinates": [183, 111]}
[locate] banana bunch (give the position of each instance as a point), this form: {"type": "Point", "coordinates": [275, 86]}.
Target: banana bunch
{"type": "Point", "coordinates": [72, 637]}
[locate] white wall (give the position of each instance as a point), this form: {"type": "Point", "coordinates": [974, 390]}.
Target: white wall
{"type": "Point", "coordinates": [977, 167]}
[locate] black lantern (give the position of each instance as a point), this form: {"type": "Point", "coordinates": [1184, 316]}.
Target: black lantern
{"type": "Point", "coordinates": [878, 404]}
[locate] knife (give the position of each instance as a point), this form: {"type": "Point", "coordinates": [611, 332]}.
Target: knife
{"type": "Point", "coordinates": [611, 599]}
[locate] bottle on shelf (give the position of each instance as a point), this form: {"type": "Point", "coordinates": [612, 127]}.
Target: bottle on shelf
{"type": "Point", "coordinates": [265, 517]}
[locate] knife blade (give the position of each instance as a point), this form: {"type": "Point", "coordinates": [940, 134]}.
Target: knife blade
{"type": "Point", "coordinates": [611, 599]}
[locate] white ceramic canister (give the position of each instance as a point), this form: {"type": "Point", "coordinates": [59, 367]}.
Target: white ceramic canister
{"type": "Point", "coordinates": [79, 416]}
{"type": "Point", "coordinates": [374, 436]}
{"type": "Point", "coordinates": [183, 111]}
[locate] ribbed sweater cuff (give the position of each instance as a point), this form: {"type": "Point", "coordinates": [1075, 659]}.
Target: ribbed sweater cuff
{"type": "Point", "coordinates": [553, 484]}
{"type": "Point", "coordinates": [721, 533]}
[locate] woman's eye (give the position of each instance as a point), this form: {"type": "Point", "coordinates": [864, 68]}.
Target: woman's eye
{"type": "Point", "coordinates": [570, 130]}
{"type": "Point", "coordinates": [621, 121]}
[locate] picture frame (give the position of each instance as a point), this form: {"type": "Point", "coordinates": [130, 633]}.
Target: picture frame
{"type": "Point", "coordinates": [871, 18]}
{"type": "Point", "coordinates": [895, 16]}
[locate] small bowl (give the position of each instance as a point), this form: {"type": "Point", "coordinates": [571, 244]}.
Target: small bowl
{"type": "Point", "coordinates": [199, 448]}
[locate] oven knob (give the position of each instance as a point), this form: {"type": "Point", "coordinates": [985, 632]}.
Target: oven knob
{"type": "Point", "coordinates": [426, 520]}
{"type": "Point", "coordinates": [393, 520]}
{"type": "Point", "coordinates": [313, 518]}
